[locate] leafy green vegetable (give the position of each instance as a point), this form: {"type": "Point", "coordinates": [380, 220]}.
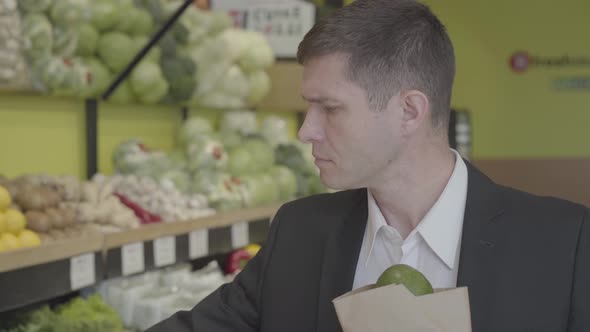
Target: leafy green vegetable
{"type": "Point", "coordinates": [261, 152]}
{"type": "Point", "coordinates": [100, 77]}
{"type": "Point", "coordinates": [123, 94]}
{"type": "Point", "coordinates": [205, 152]}
{"type": "Point", "coordinates": [105, 14]}
{"type": "Point", "coordinates": [258, 55]}
{"type": "Point", "coordinates": [116, 50]}
{"type": "Point", "coordinates": [286, 181]}
{"type": "Point", "coordinates": [69, 13]}
{"type": "Point", "coordinates": [143, 23]}
{"type": "Point", "coordinates": [65, 42]}
{"type": "Point", "coordinates": [38, 32]}
{"type": "Point", "coordinates": [153, 55]}
{"type": "Point", "coordinates": [34, 6]}
{"type": "Point", "coordinates": [289, 155]}
{"type": "Point", "coordinates": [193, 129]}
{"type": "Point", "coordinates": [127, 20]}
{"type": "Point", "coordinates": [240, 162]}
{"type": "Point", "coordinates": [259, 83]}
{"type": "Point", "coordinates": [168, 46]}
{"type": "Point", "coordinates": [87, 40]}
{"type": "Point", "coordinates": [148, 83]}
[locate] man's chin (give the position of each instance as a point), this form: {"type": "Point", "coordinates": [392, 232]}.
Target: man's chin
{"type": "Point", "coordinates": [336, 184]}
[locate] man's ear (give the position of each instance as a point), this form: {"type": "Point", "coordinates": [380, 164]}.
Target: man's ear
{"type": "Point", "coordinates": [416, 110]}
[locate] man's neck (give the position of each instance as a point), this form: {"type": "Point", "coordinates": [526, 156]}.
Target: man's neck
{"type": "Point", "coordinates": [409, 192]}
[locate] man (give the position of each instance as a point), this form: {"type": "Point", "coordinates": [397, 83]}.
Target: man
{"type": "Point", "coordinates": [378, 77]}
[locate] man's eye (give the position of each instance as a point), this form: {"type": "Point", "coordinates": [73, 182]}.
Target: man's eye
{"type": "Point", "coordinates": [330, 109]}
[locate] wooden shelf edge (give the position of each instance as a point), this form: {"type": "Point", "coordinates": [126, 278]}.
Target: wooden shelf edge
{"type": "Point", "coordinates": [18, 259]}
{"type": "Point", "coordinates": [64, 249]}
{"type": "Point", "coordinates": [151, 232]}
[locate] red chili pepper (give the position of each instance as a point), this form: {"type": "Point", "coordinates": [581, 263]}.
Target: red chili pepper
{"type": "Point", "coordinates": [237, 261]}
{"type": "Point", "coordinates": [144, 216]}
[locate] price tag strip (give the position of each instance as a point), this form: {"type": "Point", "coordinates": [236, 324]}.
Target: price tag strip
{"type": "Point", "coordinates": [198, 243]}
{"type": "Point", "coordinates": [132, 258]}
{"type": "Point", "coordinates": [165, 251]}
{"type": "Point", "coordinates": [240, 236]}
{"type": "Point", "coordinates": [82, 271]}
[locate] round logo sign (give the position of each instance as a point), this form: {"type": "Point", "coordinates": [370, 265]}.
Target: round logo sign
{"type": "Point", "coordinates": [520, 61]}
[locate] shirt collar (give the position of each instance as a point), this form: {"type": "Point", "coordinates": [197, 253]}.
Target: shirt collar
{"type": "Point", "coordinates": [442, 226]}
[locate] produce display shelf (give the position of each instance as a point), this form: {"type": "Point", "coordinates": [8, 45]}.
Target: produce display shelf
{"type": "Point", "coordinates": [158, 245]}
{"type": "Point", "coordinates": [36, 274]}
{"type": "Point", "coordinates": [218, 220]}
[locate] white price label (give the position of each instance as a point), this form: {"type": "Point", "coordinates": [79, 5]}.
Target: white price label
{"type": "Point", "coordinates": [82, 272]}
{"type": "Point", "coordinates": [198, 242]}
{"type": "Point", "coordinates": [239, 235]}
{"type": "Point", "coordinates": [132, 258]}
{"type": "Point", "coordinates": [165, 251]}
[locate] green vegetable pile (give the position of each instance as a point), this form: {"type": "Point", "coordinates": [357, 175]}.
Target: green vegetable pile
{"type": "Point", "coordinates": [77, 47]}
{"type": "Point", "coordinates": [233, 167]}
{"type": "Point", "coordinates": [78, 315]}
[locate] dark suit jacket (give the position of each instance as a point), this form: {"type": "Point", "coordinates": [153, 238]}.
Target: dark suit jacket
{"type": "Point", "coordinates": [525, 260]}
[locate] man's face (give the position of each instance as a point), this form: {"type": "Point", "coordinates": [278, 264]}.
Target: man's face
{"type": "Point", "coordinates": [353, 146]}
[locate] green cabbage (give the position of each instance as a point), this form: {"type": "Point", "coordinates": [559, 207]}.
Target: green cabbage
{"type": "Point", "coordinates": [259, 83]}
{"type": "Point", "coordinates": [258, 55]}
{"type": "Point", "coordinates": [180, 179]}
{"type": "Point", "coordinates": [34, 6]}
{"type": "Point", "coordinates": [286, 181]}
{"type": "Point", "coordinates": [143, 23]}
{"type": "Point", "coordinates": [262, 154]}
{"type": "Point", "coordinates": [123, 94]}
{"type": "Point", "coordinates": [69, 13]}
{"type": "Point", "coordinates": [38, 32]}
{"type": "Point", "coordinates": [205, 152]}
{"type": "Point", "coordinates": [127, 19]}
{"type": "Point", "coordinates": [106, 14]}
{"type": "Point", "coordinates": [148, 83]}
{"type": "Point", "coordinates": [87, 40]}
{"type": "Point", "coordinates": [116, 50]}
{"type": "Point", "coordinates": [100, 77]}
{"type": "Point", "coordinates": [241, 162]}
{"type": "Point", "coordinates": [193, 129]}
{"type": "Point", "coordinates": [65, 42]}
{"type": "Point", "coordinates": [153, 55]}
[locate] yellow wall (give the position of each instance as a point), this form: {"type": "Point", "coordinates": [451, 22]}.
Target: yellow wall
{"type": "Point", "coordinates": [520, 115]}
{"type": "Point", "coordinates": [42, 134]}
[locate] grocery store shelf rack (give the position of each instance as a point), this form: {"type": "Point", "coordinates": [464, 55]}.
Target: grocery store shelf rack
{"type": "Point", "coordinates": [52, 270]}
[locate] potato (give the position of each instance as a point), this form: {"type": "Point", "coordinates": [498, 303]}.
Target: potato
{"type": "Point", "coordinates": [38, 221]}
{"type": "Point", "coordinates": [72, 232]}
{"type": "Point", "coordinates": [56, 218]}
{"type": "Point", "coordinates": [57, 234]}
{"type": "Point", "coordinates": [46, 238]}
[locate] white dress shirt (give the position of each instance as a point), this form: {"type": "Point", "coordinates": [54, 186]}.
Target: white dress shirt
{"type": "Point", "coordinates": [432, 247]}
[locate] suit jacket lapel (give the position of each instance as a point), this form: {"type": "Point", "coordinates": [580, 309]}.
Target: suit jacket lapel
{"type": "Point", "coordinates": [483, 209]}
{"type": "Point", "coordinates": [340, 257]}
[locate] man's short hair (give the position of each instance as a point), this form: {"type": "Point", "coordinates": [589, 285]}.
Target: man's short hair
{"type": "Point", "coordinates": [391, 45]}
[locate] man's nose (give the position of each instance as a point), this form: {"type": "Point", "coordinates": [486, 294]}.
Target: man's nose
{"type": "Point", "coordinates": [311, 130]}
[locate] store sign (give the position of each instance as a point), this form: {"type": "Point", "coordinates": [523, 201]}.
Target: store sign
{"type": "Point", "coordinates": [284, 22]}
{"type": "Point", "coordinates": [572, 83]}
{"type": "Point", "coordinates": [522, 61]}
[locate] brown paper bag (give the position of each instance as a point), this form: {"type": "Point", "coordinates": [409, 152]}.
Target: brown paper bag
{"type": "Point", "coordinates": [394, 308]}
